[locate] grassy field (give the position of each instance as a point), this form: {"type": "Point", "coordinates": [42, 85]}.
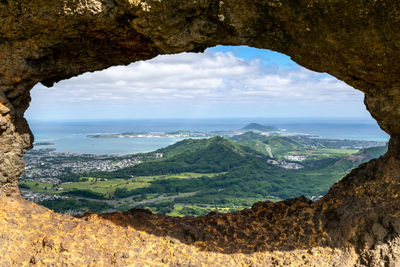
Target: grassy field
{"type": "Point", "coordinates": [324, 153]}
{"type": "Point", "coordinates": [182, 209]}
{"type": "Point", "coordinates": [107, 187]}
{"type": "Point", "coordinates": [40, 187]}
{"type": "Point", "coordinates": [179, 207]}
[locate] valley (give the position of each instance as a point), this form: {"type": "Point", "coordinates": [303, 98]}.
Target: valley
{"type": "Point", "coordinates": [195, 176]}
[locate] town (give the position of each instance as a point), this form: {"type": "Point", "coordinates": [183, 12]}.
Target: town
{"type": "Point", "coordinates": [47, 166]}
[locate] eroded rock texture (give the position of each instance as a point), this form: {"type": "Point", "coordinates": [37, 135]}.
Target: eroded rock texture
{"type": "Point", "coordinates": [357, 223]}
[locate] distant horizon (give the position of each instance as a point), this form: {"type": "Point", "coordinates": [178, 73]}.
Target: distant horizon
{"type": "Point", "coordinates": [71, 135]}
{"type": "Point", "coordinates": [201, 118]}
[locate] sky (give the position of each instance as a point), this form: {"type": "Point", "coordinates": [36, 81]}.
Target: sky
{"type": "Point", "coordinates": [222, 82]}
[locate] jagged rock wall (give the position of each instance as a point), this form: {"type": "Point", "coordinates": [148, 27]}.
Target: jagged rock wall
{"type": "Point", "coordinates": [356, 41]}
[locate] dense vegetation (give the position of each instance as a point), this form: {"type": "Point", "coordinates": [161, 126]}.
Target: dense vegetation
{"type": "Point", "coordinates": [255, 180]}
{"type": "Point", "coordinates": [195, 176]}
{"type": "Point", "coordinates": [84, 193]}
{"type": "Point", "coordinates": [202, 156]}
{"type": "Point", "coordinates": [248, 175]}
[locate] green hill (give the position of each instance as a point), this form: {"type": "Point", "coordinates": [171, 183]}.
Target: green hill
{"type": "Point", "coordinates": [193, 155]}
{"type": "Point", "coordinates": [191, 145]}
{"type": "Point", "coordinates": [242, 173]}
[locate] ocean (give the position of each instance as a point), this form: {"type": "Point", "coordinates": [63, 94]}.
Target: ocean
{"type": "Point", "coordinates": [71, 136]}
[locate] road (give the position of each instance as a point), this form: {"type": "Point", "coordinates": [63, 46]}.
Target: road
{"type": "Point", "coordinates": [268, 148]}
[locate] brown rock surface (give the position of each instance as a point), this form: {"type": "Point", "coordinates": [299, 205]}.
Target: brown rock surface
{"type": "Point", "coordinates": [357, 223]}
{"type": "Point", "coordinates": [265, 235]}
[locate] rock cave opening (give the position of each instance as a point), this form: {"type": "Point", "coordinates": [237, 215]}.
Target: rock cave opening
{"type": "Point", "coordinates": [357, 223]}
{"type": "Point", "coordinates": [92, 132]}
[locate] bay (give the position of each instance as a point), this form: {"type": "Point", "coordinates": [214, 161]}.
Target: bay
{"type": "Point", "coordinates": [71, 136]}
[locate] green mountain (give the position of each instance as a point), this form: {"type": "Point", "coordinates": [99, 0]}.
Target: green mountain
{"type": "Point", "coordinates": [212, 155]}
{"type": "Point", "coordinates": [237, 172]}
{"type": "Point", "coordinates": [191, 145]}
{"type": "Point", "coordinates": [246, 178]}
{"type": "Point", "coordinates": [259, 127]}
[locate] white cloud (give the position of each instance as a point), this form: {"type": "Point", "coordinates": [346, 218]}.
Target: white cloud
{"type": "Point", "coordinates": [197, 79]}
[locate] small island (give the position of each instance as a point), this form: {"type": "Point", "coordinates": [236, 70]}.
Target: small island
{"type": "Point", "coordinates": [259, 127]}
{"type": "Point", "coordinates": [44, 144]}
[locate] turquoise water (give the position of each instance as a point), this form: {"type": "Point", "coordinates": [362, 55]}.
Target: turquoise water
{"type": "Point", "coordinates": [71, 136]}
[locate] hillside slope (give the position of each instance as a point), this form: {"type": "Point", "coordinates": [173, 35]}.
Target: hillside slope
{"type": "Point", "coordinates": [194, 155]}
{"type": "Point", "coordinates": [241, 174]}
{"type": "Point", "coordinates": [268, 144]}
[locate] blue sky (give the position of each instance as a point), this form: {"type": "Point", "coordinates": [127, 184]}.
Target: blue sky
{"type": "Point", "coordinates": [267, 57]}
{"type": "Point", "coordinates": [222, 82]}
